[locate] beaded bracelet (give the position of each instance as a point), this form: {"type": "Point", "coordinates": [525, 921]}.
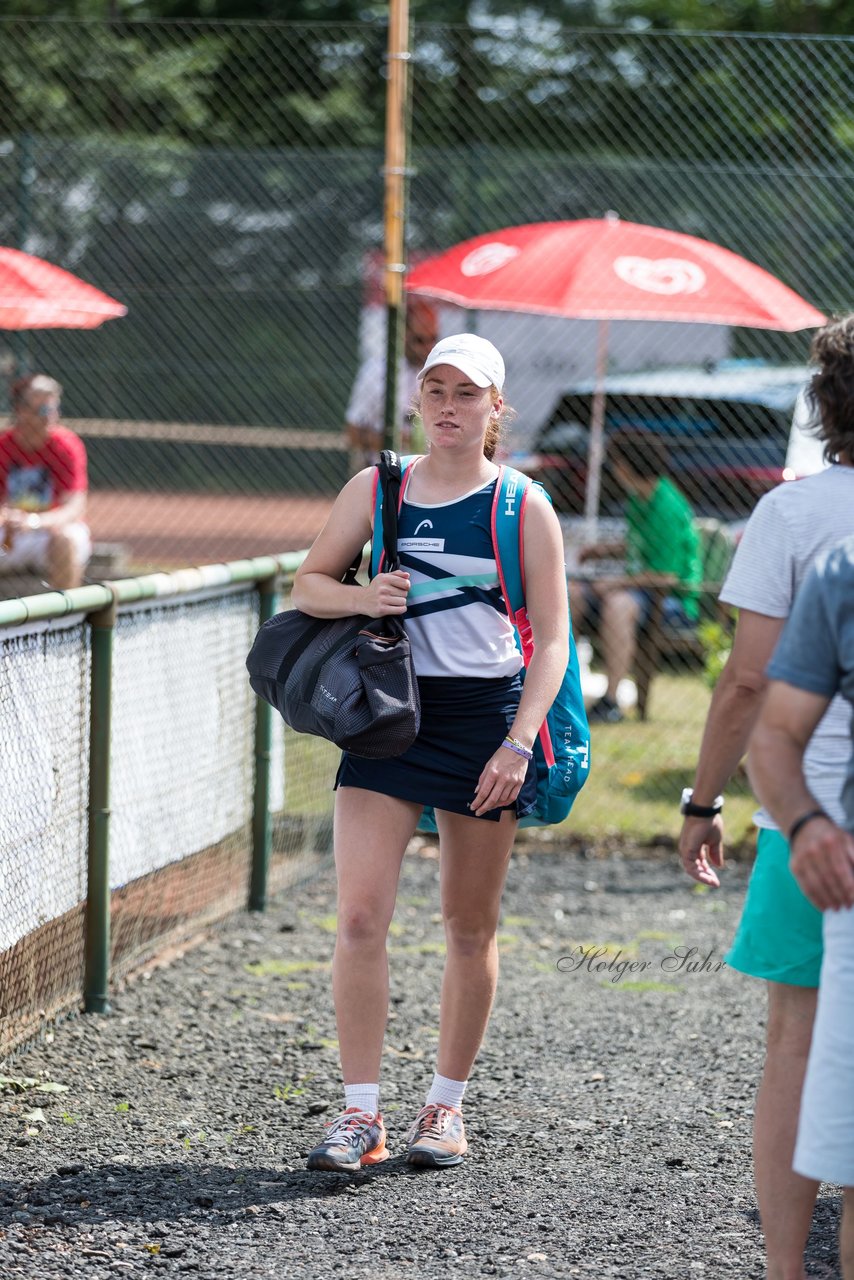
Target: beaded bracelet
{"type": "Point", "coordinates": [513, 744]}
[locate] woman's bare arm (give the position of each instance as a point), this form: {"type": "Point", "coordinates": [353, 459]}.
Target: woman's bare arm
{"type": "Point", "coordinates": [318, 589]}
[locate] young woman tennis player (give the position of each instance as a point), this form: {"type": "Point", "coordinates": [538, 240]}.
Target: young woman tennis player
{"type": "Point", "coordinates": [471, 760]}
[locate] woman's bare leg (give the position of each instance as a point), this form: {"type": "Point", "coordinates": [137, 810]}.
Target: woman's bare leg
{"type": "Point", "coordinates": [371, 835]}
{"type": "Point", "coordinates": [474, 856]}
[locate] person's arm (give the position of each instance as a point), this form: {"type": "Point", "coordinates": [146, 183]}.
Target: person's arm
{"type": "Point", "coordinates": [71, 507]}
{"type": "Point", "coordinates": [548, 613]}
{"type": "Point", "coordinates": [822, 853]}
{"type": "Point", "coordinates": [732, 714]}
{"type": "Point", "coordinates": [318, 589]}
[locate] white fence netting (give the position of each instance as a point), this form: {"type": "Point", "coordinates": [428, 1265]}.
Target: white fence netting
{"type": "Point", "coordinates": [44, 773]}
{"type": "Point", "coordinates": [182, 757]}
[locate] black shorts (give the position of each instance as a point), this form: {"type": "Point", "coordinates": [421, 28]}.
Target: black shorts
{"type": "Point", "coordinates": [463, 722]}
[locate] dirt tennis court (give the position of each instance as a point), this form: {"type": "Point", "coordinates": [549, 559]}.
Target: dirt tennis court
{"type": "Point", "coordinates": [167, 530]}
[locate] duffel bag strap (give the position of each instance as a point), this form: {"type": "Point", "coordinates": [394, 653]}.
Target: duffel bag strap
{"type": "Point", "coordinates": [389, 480]}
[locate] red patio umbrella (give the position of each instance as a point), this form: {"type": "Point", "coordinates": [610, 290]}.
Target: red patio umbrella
{"type": "Point", "coordinates": [605, 269]}
{"type": "Point", "coordinates": [35, 294]}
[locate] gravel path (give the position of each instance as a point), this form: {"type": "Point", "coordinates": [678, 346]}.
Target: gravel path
{"type": "Point", "coordinates": [609, 1117]}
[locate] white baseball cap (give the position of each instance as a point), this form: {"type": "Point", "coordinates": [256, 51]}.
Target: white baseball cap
{"type": "Point", "coordinates": [476, 357]}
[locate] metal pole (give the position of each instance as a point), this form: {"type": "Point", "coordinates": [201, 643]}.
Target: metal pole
{"type": "Point", "coordinates": [97, 975]}
{"type": "Point", "coordinates": [262, 830]}
{"type": "Point", "coordinates": [398, 57]}
{"type": "Point", "coordinates": [596, 447]}
{"type": "Point", "coordinates": [19, 341]}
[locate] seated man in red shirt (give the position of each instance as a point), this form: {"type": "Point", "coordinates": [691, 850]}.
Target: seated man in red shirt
{"type": "Point", "coordinates": [42, 488]}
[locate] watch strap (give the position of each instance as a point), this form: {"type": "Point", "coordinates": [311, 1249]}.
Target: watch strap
{"type": "Point", "coordinates": [692, 810]}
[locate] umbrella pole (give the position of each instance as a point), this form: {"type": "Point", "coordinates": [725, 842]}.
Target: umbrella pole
{"type": "Point", "coordinates": [596, 448]}
{"type": "Point", "coordinates": [26, 175]}
{"type": "Point", "coordinates": [395, 207]}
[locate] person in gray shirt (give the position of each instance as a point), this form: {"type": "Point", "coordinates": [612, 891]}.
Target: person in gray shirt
{"type": "Point", "coordinates": [813, 662]}
{"type": "Point", "coordinates": [779, 936]}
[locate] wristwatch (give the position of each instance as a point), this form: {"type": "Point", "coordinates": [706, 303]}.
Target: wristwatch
{"type": "Point", "coordinates": [691, 810]}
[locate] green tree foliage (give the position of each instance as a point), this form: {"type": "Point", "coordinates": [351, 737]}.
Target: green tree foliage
{"type": "Point", "coordinates": [816, 17]}
{"type": "Point", "coordinates": [205, 83]}
{"type": "Point", "coordinates": [223, 178]}
{"type": "Point", "coordinates": [813, 17]}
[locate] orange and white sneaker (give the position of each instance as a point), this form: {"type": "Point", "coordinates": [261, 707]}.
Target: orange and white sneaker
{"type": "Point", "coordinates": [353, 1139]}
{"type": "Point", "coordinates": [437, 1139]}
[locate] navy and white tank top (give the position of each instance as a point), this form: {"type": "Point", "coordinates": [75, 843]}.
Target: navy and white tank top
{"type": "Point", "coordinates": [464, 630]}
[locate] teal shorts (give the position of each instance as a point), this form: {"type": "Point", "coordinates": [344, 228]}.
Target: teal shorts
{"type": "Point", "coordinates": [779, 934]}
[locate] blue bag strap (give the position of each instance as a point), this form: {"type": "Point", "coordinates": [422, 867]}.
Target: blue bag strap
{"type": "Point", "coordinates": [377, 537]}
{"type": "Point", "coordinates": [508, 512]}
{"type": "Point", "coordinates": [508, 509]}
{"type": "Point", "coordinates": [508, 526]}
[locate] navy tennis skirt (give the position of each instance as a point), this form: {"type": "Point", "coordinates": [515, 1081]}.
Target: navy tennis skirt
{"type": "Point", "coordinates": [463, 721]}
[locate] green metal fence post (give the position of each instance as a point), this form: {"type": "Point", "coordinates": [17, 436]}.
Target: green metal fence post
{"type": "Point", "coordinates": [262, 832]}
{"type": "Point", "coordinates": [97, 976]}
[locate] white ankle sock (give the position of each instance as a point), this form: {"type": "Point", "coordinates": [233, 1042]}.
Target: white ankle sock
{"type": "Point", "coordinates": [364, 1096]}
{"type": "Point", "coordinates": [448, 1091]}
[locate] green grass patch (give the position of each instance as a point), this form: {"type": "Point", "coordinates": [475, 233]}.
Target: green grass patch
{"type": "Point", "coordinates": [658, 935]}
{"type": "Point", "coordinates": [418, 949]}
{"type": "Point", "coordinates": [639, 769]}
{"type": "Point", "coordinates": [20, 1084]}
{"type": "Point", "coordinates": [599, 950]}
{"type": "Point", "coordinates": [311, 764]}
{"type": "Point", "coordinates": [329, 924]}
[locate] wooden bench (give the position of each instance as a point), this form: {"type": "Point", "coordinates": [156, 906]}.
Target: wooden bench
{"type": "Point", "coordinates": [659, 646]}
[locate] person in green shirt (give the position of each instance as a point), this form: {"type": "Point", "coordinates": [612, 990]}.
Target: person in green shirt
{"type": "Point", "coordinates": [661, 542]}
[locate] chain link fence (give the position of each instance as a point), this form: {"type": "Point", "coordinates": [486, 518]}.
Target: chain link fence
{"type": "Point", "coordinates": [224, 182]}
{"type": "Point", "coordinates": [44, 694]}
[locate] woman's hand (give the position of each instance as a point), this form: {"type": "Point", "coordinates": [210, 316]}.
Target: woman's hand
{"type": "Point", "coordinates": [386, 594]}
{"type": "Point", "coordinates": [500, 781]}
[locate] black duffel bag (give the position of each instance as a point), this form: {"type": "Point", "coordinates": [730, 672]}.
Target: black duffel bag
{"type": "Point", "coordinates": [350, 680]}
